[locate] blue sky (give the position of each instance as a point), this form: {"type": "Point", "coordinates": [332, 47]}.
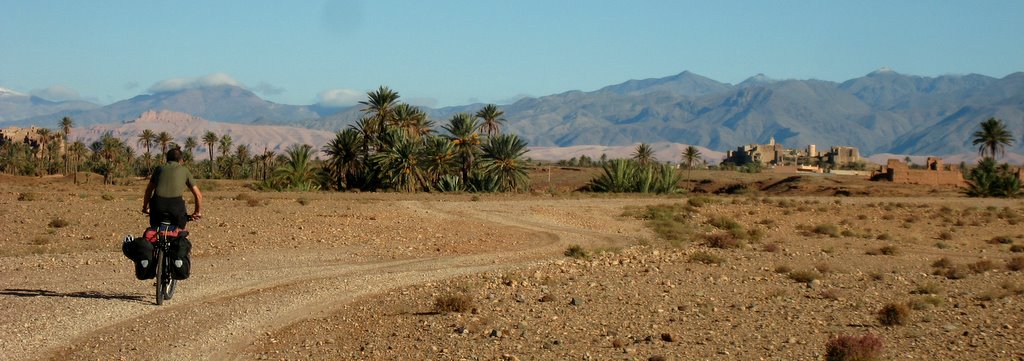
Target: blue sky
{"type": "Point", "coordinates": [441, 53]}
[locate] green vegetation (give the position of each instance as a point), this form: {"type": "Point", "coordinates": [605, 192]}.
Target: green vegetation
{"type": "Point", "coordinates": [989, 179]}
{"type": "Point", "coordinates": [631, 176]}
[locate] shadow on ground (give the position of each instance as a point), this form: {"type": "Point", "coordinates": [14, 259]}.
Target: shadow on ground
{"type": "Point", "coordinates": [21, 292]}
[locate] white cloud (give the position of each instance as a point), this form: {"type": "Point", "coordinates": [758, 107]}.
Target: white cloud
{"type": "Point", "coordinates": [177, 84]}
{"type": "Point", "coordinates": [340, 97]}
{"type": "Point", "coordinates": [57, 93]}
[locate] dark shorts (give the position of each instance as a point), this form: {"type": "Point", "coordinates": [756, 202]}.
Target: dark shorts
{"type": "Point", "coordinates": [172, 209]}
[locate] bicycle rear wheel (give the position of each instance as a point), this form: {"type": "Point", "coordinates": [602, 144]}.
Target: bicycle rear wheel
{"type": "Point", "coordinates": [160, 276]}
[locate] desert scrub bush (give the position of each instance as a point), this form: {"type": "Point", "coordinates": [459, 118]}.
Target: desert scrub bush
{"type": "Point", "coordinates": [804, 276]}
{"type": "Point", "coordinates": [706, 258]}
{"type": "Point", "coordinates": [576, 251]}
{"type": "Point", "coordinates": [107, 196]}
{"type": "Point", "coordinates": [27, 197]}
{"type": "Point", "coordinates": [724, 223]}
{"type": "Point", "coordinates": [303, 201]}
{"type": "Point", "coordinates": [783, 269]}
{"type": "Point", "coordinates": [826, 229]}
{"type": "Point", "coordinates": [941, 245]}
{"type": "Point", "coordinates": [243, 197]}
{"type": "Point", "coordinates": [943, 262]}
{"type": "Point", "coordinates": [826, 268]}
{"type": "Point", "coordinates": [453, 303]}
{"type": "Point", "coordinates": [771, 247]}
{"type": "Point", "coordinates": [723, 241]}
{"type": "Point", "coordinates": [945, 235]}
{"type": "Point", "coordinates": [925, 302]}
{"type": "Point", "coordinates": [893, 314]}
{"type": "Point", "coordinates": [1015, 264]}
{"type": "Point", "coordinates": [59, 223]}
{"type": "Point", "coordinates": [867, 347]}
{"type": "Point", "coordinates": [1000, 240]}
{"type": "Point", "coordinates": [41, 240]}
{"type": "Point", "coordinates": [955, 272]}
{"type": "Point", "coordinates": [669, 222]}
{"type": "Point", "coordinates": [697, 202]}
{"type": "Point", "coordinates": [255, 202]}
{"type": "Point", "coordinates": [928, 289]}
{"type": "Point", "coordinates": [981, 266]}
{"type": "Point", "coordinates": [1016, 248]}
{"type": "Point", "coordinates": [884, 251]}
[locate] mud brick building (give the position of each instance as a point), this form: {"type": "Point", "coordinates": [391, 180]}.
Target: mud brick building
{"type": "Point", "coordinates": [935, 173]}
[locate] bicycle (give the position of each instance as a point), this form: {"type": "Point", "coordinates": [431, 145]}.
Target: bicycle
{"type": "Point", "coordinates": [165, 284]}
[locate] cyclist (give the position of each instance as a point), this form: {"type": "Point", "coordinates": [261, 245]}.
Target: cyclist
{"type": "Point", "coordinates": [163, 193]}
{"type": "Point", "coordinates": [163, 201]}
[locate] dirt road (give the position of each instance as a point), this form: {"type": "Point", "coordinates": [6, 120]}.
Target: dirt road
{"type": "Point", "coordinates": [87, 305]}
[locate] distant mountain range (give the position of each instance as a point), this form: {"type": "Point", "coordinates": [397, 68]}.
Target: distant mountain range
{"type": "Point", "coordinates": [881, 112]}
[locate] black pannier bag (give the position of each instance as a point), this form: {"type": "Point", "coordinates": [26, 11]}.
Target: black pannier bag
{"type": "Point", "coordinates": [141, 249]}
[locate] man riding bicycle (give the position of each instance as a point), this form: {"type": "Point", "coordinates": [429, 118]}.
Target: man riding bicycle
{"type": "Point", "coordinates": [163, 193]}
{"type": "Point", "coordinates": [163, 202]}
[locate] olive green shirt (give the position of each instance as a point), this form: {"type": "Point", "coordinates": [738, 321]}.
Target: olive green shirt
{"type": "Point", "coordinates": [171, 180]}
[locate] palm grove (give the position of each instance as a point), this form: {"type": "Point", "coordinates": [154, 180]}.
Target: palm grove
{"type": "Point", "coordinates": [393, 146]}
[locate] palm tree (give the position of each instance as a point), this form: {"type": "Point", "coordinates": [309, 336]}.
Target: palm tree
{"type": "Point", "coordinates": [492, 117]}
{"type": "Point", "coordinates": [992, 138]}
{"type": "Point", "coordinates": [146, 139]}
{"type": "Point", "coordinates": [503, 159]}
{"type": "Point", "coordinates": [77, 151]}
{"type": "Point", "coordinates": [644, 154]}
{"type": "Point", "coordinates": [190, 146]}
{"type": "Point", "coordinates": [411, 120]}
{"type": "Point", "coordinates": [41, 154]}
{"type": "Point", "coordinates": [225, 150]}
{"type": "Point", "coordinates": [267, 160]}
{"type": "Point", "coordinates": [109, 151]}
{"type": "Point", "coordinates": [210, 139]}
{"type": "Point", "coordinates": [462, 129]}
{"type": "Point", "coordinates": [164, 139]}
{"type": "Point", "coordinates": [379, 107]}
{"type": "Point", "coordinates": [344, 156]}
{"type": "Point", "coordinates": [440, 154]}
{"type": "Point", "coordinates": [690, 155]}
{"type": "Point", "coordinates": [402, 165]}
{"type": "Point", "coordinates": [298, 170]}
{"type": "Point", "coordinates": [65, 129]}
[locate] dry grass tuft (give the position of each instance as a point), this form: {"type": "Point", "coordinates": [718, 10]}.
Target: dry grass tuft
{"type": "Point", "coordinates": [723, 241]}
{"type": "Point", "coordinates": [706, 258]}
{"type": "Point", "coordinates": [1015, 264]}
{"type": "Point", "coordinates": [59, 223]}
{"type": "Point", "coordinates": [804, 276]}
{"type": "Point", "coordinates": [894, 314]}
{"type": "Point", "coordinates": [576, 251]}
{"type": "Point", "coordinates": [27, 197]}
{"type": "Point", "coordinates": [453, 303]}
{"type": "Point", "coordinates": [867, 347]}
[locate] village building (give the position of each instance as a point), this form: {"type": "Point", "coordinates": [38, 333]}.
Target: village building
{"type": "Point", "coordinates": [934, 173]}
{"type": "Point", "coordinates": [774, 154]}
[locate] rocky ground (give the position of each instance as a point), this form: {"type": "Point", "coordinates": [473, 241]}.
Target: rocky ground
{"type": "Point", "coordinates": [365, 276]}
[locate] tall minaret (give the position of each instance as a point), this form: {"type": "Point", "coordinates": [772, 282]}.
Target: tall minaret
{"type": "Point", "coordinates": [772, 140]}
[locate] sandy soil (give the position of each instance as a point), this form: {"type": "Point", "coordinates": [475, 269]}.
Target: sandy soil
{"type": "Point", "coordinates": [356, 276]}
